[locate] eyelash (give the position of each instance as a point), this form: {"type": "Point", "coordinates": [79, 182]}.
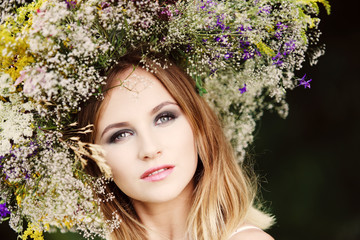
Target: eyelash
{"type": "Point", "coordinates": [171, 116]}
{"type": "Point", "coordinates": [168, 115]}
{"type": "Point", "coordinates": [114, 137]}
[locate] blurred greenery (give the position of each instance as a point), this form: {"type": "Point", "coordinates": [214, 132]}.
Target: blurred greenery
{"type": "Point", "coordinates": [309, 160]}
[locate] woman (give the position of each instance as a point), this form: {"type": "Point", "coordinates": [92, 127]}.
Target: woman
{"type": "Point", "coordinates": [174, 173]}
{"type": "Point", "coordinates": [175, 176]}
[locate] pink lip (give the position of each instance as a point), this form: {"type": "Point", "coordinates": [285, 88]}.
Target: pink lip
{"type": "Point", "coordinates": [157, 176]}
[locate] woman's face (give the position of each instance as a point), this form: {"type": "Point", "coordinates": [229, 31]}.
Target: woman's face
{"type": "Point", "coordinates": [148, 140]}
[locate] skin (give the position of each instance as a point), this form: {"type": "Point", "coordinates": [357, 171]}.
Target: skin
{"type": "Point", "coordinates": [251, 234]}
{"type": "Point", "coordinates": [142, 127]}
{"type": "Point", "coordinates": [146, 130]}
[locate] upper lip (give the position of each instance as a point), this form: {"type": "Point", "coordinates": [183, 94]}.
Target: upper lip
{"type": "Point", "coordinates": [151, 170]}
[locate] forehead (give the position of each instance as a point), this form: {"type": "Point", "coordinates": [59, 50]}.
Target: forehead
{"type": "Point", "coordinates": [132, 91]}
{"type": "Point", "coordinates": [132, 81]}
{"type": "Point", "coordinates": [136, 84]}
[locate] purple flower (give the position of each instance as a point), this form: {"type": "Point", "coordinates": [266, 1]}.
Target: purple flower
{"type": "Point", "coordinates": [70, 4]}
{"type": "Point", "coordinates": [228, 55]}
{"type": "Point", "coordinates": [221, 38]}
{"type": "Point", "coordinates": [278, 62]}
{"type": "Point", "coordinates": [188, 48]}
{"type": "Point", "coordinates": [243, 90]}
{"type": "Point", "coordinates": [244, 44]}
{"type": "Point", "coordinates": [213, 71]}
{"type": "Point", "coordinates": [240, 29]}
{"type": "Point", "coordinates": [165, 14]}
{"type": "Point", "coordinates": [3, 210]}
{"type": "Point", "coordinates": [278, 59]}
{"type": "Point", "coordinates": [303, 82]}
{"type": "Point", "coordinates": [104, 5]}
{"type": "Point", "coordinates": [278, 34]}
{"type": "Point", "coordinates": [247, 55]}
{"type": "Point", "coordinates": [264, 9]}
{"type": "Point", "coordinates": [219, 22]}
{"type": "Point", "coordinates": [207, 4]}
{"type": "Point", "coordinates": [289, 47]}
{"type": "Point", "coordinates": [243, 29]}
{"type": "Point", "coordinates": [280, 28]}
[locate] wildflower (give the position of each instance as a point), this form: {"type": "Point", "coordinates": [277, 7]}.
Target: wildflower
{"type": "Point", "coordinates": [243, 90]}
{"type": "Point", "coordinates": [244, 44]}
{"type": "Point", "coordinates": [247, 55]}
{"type": "Point", "coordinates": [104, 5]}
{"type": "Point", "coordinates": [220, 24]}
{"type": "Point", "coordinates": [280, 28]}
{"type": "Point", "coordinates": [33, 232]}
{"type": "Point", "coordinates": [289, 47]}
{"type": "Point", "coordinates": [208, 4]}
{"type": "Point", "coordinates": [165, 14]}
{"type": "Point", "coordinates": [3, 211]}
{"type": "Point", "coordinates": [70, 4]}
{"type": "Point", "coordinates": [278, 59]}
{"type": "Point", "coordinates": [264, 9]}
{"type": "Point", "coordinates": [304, 83]}
{"type": "Point", "coordinates": [228, 55]}
{"type": "Point", "coordinates": [221, 39]}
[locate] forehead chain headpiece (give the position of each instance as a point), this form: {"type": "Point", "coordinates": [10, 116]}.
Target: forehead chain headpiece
{"type": "Point", "coordinates": [55, 55]}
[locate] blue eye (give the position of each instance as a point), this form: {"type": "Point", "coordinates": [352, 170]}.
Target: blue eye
{"type": "Point", "coordinates": [120, 135]}
{"type": "Point", "coordinates": [164, 117]}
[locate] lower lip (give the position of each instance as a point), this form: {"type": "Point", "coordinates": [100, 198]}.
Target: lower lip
{"type": "Point", "coordinates": [159, 176]}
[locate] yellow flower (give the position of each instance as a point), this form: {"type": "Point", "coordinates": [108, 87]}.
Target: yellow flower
{"type": "Point", "coordinates": [33, 231]}
{"type": "Point", "coordinates": [14, 45]}
{"type": "Point", "coordinates": [47, 227]}
{"type": "Point", "coordinates": [68, 223]}
{"type": "Point", "coordinates": [18, 200]}
{"type": "Point", "coordinates": [265, 49]}
{"type": "Point", "coordinates": [13, 52]}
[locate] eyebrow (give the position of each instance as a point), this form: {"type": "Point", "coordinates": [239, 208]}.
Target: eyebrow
{"type": "Point", "coordinates": [123, 124]}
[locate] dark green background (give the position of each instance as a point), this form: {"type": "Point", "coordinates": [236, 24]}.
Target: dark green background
{"type": "Point", "coordinates": [309, 161]}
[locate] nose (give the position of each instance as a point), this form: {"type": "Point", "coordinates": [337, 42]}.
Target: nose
{"type": "Point", "coordinates": [149, 147]}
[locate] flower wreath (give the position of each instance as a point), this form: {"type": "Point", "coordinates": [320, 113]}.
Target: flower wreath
{"type": "Point", "coordinates": [55, 55]}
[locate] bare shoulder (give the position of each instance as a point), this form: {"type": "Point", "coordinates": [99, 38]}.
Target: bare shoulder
{"type": "Point", "coordinates": [251, 234]}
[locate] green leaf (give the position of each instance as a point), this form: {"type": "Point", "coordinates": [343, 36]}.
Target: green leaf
{"type": "Point", "coordinates": [199, 83]}
{"type": "Point", "coordinates": [4, 219]}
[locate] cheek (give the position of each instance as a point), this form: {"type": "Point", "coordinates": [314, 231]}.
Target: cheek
{"type": "Point", "coordinates": [119, 161]}
{"type": "Point", "coordinates": [122, 168]}
{"type": "Point", "coordinates": [187, 137]}
{"type": "Point", "coordinates": [184, 142]}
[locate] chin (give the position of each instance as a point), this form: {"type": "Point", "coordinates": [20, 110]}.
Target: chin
{"type": "Point", "coordinates": [161, 195]}
{"type": "Point", "coordinates": [165, 194]}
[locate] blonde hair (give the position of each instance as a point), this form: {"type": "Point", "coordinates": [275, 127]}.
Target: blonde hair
{"type": "Point", "coordinates": [224, 192]}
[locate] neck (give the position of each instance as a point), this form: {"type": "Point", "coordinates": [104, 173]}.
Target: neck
{"type": "Point", "coordinates": [166, 220]}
